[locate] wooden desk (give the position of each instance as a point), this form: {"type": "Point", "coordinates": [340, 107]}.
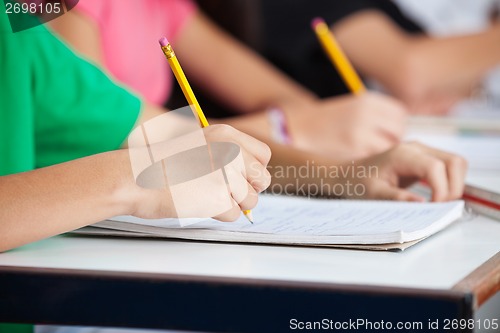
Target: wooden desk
{"type": "Point", "coordinates": [247, 288]}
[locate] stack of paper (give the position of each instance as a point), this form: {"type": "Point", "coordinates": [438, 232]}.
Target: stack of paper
{"type": "Point", "coordinates": [302, 221]}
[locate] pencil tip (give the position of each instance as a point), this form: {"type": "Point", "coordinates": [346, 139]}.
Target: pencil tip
{"type": "Point", "coordinates": [248, 215]}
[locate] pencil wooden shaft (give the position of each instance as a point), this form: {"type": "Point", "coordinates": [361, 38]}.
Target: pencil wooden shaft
{"type": "Point", "coordinates": [188, 92]}
{"type": "Point", "coordinates": [339, 59]}
{"type": "Point", "coordinates": [190, 97]}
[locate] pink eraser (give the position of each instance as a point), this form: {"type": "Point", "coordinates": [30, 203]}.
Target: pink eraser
{"type": "Point", "coordinates": [316, 21]}
{"type": "Point", "coordinates": [163, 41]}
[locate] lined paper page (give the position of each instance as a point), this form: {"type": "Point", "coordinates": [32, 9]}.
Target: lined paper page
{"type": "Point", "coordinates": [301, 216]}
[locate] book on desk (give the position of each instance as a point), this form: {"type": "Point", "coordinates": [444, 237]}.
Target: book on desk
{"type": "Point", "coordinates": [482, 194]}
{"type": "Point", "coordinates": [377, 225]}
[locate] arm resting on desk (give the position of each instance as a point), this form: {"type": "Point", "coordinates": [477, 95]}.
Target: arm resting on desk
{"type": "Point", "coordinates": [382, 177]}
{"type": "Point", "coordinates": [64, 197]}
{"type": "Point", "coordinates": [67, 196]}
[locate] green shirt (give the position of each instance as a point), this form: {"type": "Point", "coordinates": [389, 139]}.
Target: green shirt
{"type": "Point", "coordinates": [55, 106]}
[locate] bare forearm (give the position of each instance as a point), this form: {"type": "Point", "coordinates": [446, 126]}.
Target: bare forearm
{"type": "Point", "coordinates": [455, 63]}
{"type": "Point", "coordinates": [64, 197]}
{"type": "Point", "coordinates": [416, 67]}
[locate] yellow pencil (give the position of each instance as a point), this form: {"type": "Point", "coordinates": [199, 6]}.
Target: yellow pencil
{"type": "Point", "coordinates": [188, 92]}
{"type": "Point", "coordinates": [337, 56]}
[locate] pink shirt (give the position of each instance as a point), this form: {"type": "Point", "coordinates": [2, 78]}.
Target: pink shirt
{"type": "Point", "coordinates": [129, 33]}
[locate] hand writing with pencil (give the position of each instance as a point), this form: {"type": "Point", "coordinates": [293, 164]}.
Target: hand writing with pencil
{"type": "Point", "coordinates": [219, 179]}
{"type": "Point", "coordinates": [348, 127]}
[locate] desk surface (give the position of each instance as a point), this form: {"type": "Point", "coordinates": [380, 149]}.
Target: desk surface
{"type": "Point", "coordinates": [436, 263]}
{"type": "Point", "coordinates": [247, 288]}
{"type": "Point", "coordinates": [164, 284]}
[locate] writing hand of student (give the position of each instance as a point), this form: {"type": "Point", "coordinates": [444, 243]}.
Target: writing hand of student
{"type": "Point", "coordinates": [243, 178]}
{"type": "Point", "coordinates": [408, 163]}
{"type": "Point", "coordinates": [350, 127]}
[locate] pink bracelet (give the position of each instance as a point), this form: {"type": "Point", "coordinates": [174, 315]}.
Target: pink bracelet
{"type": "Point", "coordinates": [279, 126]}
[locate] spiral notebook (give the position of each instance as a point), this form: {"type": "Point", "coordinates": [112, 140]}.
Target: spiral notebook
{"type": "Point", "coordinates": [284, 220]}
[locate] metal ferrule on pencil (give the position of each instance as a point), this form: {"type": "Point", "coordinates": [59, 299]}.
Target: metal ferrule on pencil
{"type": "Point", "coordinates": [168, 50]}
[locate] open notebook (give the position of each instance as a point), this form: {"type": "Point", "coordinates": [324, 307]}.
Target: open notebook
{"type": "Point", "coordinates": [302, 221]}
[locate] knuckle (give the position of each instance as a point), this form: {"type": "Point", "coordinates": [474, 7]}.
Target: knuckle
{"type": "Point", "coordinates": [259, 184]}
{"type": "Point", "coordinates": [250, 201]}
{"type": "Point", "coordinates": [223, 130]}
{"type": "Point", "coordinates": [265, 182]}
{"type": "Point", "coordinates": [267, 153]}
{"type": "Point", "coordinates": [267, 179]}
{"type": "Point", "coordinates": [458, 162]}
{"type": "Point", "coordinates": [436, 166]}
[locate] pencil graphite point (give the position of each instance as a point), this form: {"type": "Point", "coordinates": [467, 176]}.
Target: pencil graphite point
{"type": "Point", "coordinates": [316, 21]}
{"type": "Point", "coordinates": [248, 215]}
{"type": "Point", "coordinates": [163, 41]}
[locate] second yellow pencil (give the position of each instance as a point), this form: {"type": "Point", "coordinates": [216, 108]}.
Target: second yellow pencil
{"type": "Point", "coordinates": [337, 56]}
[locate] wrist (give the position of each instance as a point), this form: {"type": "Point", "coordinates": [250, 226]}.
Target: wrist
{"type": "Point", "coordinates": [298, 118]}
{"type": "Point", "coordinates": [124, 194]}
{"type": "Point", "coordinates": [278, 126]}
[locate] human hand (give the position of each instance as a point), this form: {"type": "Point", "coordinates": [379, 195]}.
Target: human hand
{"type": "Point", "coordinates": [242, 179]}
{"type": "Point", "coordinates": [347, 128]}
{"type": "Point", "coordinates": [408, 163]}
